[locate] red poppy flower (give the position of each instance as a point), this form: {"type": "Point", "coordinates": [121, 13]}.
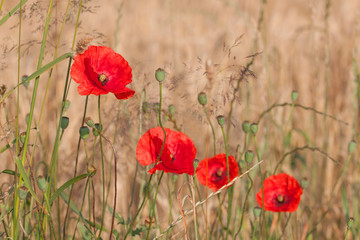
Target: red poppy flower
{"type": "Point", "coordinates": [214, 176]}
{"type": "Point", "coordinates": [178, 154]}
{"type": "Point", "coordinates": [282, 193]}
{"type": "Point", "coordinates": [100, 70]}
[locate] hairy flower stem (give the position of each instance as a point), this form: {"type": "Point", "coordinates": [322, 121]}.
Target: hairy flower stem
{"type": "Point", "coordinates": [212, 128]}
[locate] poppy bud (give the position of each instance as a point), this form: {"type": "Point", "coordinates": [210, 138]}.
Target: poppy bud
{"type": "Point", "coordinates": [294, 95]}
{"type": "Point", "coordinates": [202, 98]}
{"type": "Point", "coordinates": [23, 192]}
{"type": "Point", "coordinates": [196, 164]}
{"type": "Point", "coordinates": [242, 164]}
{"type": "Point", "coordinates": [84, 132]}
{"type": "Point", "coordinates": [352, 146]}
{"type": "Point", "coordinates": [22, 137]}
{"type": "Point", "coordinates": [172, 109]}
{"type": "Point", "coordinates": [221, 120]}
{"type": "Point", "coordinates": [246, 127]}
{"type": "Point", "coordinates": [249, 156]}
{"type": "Point", "coordinates": [160, 75]}
{"type": "Point", "coordinates": [66, 105]}
{"type": "Point", "coordinates": [41, 182]}
{"type": "Point", "coordinates": [257, 211]}
{"type": "Point", "coordinates": [23, 79]}
{"type": "Point", "coordinates": [91, 170]}
{"type": "Point", "coordinates": [254, 128]}
{"type": "Point", "coordinates": [96, 129]}
{"type": "Point", "coordinates": [64, 122]}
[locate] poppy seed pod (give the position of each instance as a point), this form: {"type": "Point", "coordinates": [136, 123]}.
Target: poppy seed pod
{"type": "Point", "coordinates": [257, 211]}
{"type": "Point", "coordinates": [249, 156]}
{"type": "Point", "coordinates": [160, 75]}
{"type": "Point", "coordinates": [23, 192]}
{"type": "Point", "coordinates": [294, 96]}
{"type": "Point", "coordinates": [64, 122]}
{"type": "Point", "coordinates": [246, 126]}
{"type": "Point", "coordinates": [42, 183]}
{"type": "Point", "coordinates": [84, 132]}
{"type": "Point", "coordinates": [254, 128]}
{"type": "Point", "coordinates": [96, 129]}
{"type": "Point", "coordinates": [352, 146]}
{"type": "Point", "coordinates": [202, 98]}
{"type": "Point", "coordinates": [24, 81]}
{"type": "Point", "coordinates": [221, 120]}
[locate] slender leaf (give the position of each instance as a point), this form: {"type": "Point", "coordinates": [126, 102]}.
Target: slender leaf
{"type": "Point", "coordinates": [9, 14]}
{"type": "Point", "coordinates": [38, 72]}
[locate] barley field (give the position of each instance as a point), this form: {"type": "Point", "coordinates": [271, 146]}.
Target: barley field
{"type": "Point", "coordinates": [170, 119]}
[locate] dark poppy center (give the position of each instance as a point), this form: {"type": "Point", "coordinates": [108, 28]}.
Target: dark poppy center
{"type": "Point", "coordinates": [103, 79]}
{"type": "Point", "coordinates": [280, 199]}
{"type": "Point", "coordinates": [219, 173]}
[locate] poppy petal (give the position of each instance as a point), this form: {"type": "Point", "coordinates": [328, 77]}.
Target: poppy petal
{"type": "Point", "coordinates": [125, 94]}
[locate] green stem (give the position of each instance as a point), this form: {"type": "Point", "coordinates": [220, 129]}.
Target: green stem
{"type": "Point", "coordinates": [102, 169]}
{"type": "Point", "coordinates": [212, 129]}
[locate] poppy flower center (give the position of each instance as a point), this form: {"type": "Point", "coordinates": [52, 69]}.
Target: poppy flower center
{"type": "Point", "coordinates": [280, 199]}
{"type": "Point", "coordinates": [219, 173]}
{"type": "Point", "coordinates": [103, 79]}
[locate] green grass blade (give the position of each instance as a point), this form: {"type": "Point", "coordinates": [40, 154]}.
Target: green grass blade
{"type": "Point", "coordinates": [38, 73]}
{"type": "Point", "coordinates": [26, 179]}
{"type": "Point", "coordinates": [9, 14]}
{"type": "Point", "coordinates": [66, 185]}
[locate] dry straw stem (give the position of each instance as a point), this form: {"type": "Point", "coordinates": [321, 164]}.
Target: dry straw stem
{"type": "Point", "coordinates": [185, 213]}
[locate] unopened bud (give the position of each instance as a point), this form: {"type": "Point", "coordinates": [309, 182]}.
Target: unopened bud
{"type": "Point", "coordinates": [257, 211]}
{"type": "Point", "coordinates": [304, 183]}
{"type": "Point", "coordinates": [196, 164]}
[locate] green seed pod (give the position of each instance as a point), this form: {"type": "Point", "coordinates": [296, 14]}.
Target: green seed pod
{"type": "Point", "coordinates": [202, 98]}
{"type": "Point", "coordinates": [171, 109]}
{"type": "Point", "coordinates": [64, 122]}
{"type": "Point", "coordinates": [294, 96]}
{"type": "Point", "coordinates": [84, 132]}
{"type": "Point", "coordinates": [221, 120]}
{"type": "Point", "coordinates": [254, 128]}
{"type": "Point", "coordinates": [246, 127]}
{"type": "Point", "coordinates": [249, 156]}
{"type": "Point", "coordinates": [304, 183]}
{"type": "Point", "coordinates": [352, 146]}
{"type": "Point", "coordinates": [42, 183]}
{"type": "Point", "coordinates": [23, 79]}
{"type": "Point", "coordinates": [257, 211]}
{"type": "Point", "coordinates": [96, 129]}
{"type": "Point", "coordinates": [22, 137]}
{"type": "Point", "coordinates": [160, 75]}
{"type": "Point", "coordinates": [23, 192]}
{"type": "Point", "coordinates": [196, 164]}
{"type": "Point", "coordinates": [89, 122]}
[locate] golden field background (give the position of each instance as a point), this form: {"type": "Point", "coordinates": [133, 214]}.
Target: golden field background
{"type": "Point", "coordinates": [305, 45]}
